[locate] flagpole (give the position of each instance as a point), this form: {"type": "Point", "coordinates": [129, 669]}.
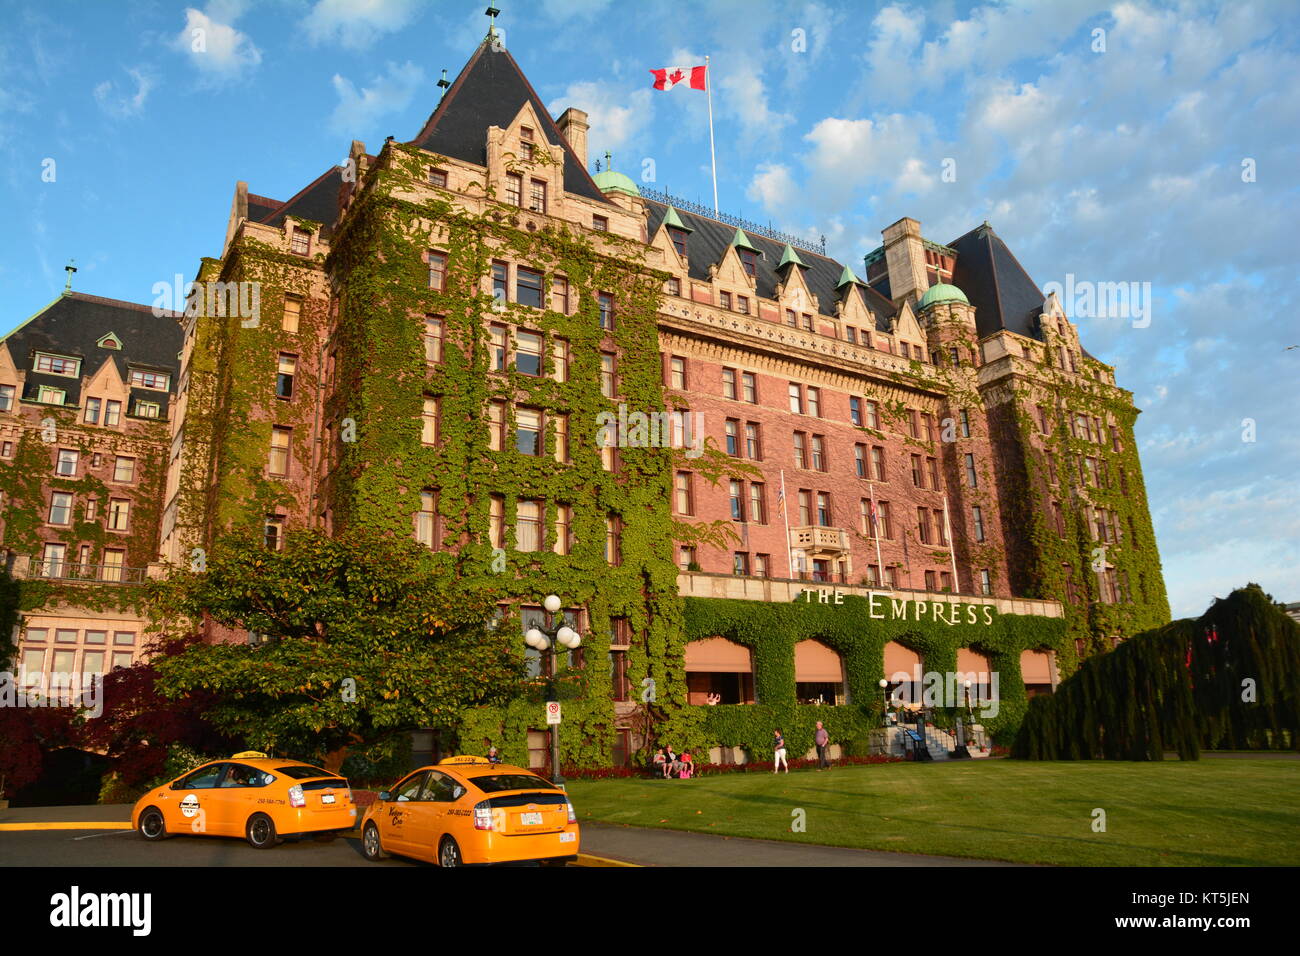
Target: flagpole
{"type": "Point", "coordinates": [875, 526]}
{"type": "Point", "coordinates": [713, 156]}
{"type": "Point", "coordinates": [785, 513]}
{"type": "Point", "coordinates": [952, 548]}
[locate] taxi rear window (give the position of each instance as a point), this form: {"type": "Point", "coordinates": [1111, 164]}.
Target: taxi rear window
{"type": "Point", "coordinates": [303, 773]}
{"type": "Point", "coordinates": [497, 782]}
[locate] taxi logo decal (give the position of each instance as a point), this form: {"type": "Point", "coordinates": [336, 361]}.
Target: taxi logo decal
{"type": "Point", "coordinates": [190, 805]}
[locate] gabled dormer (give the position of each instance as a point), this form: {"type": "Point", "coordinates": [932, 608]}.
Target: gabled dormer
{"type": "Point", "coordinates": [525, 169]}
{"type": "Point", "coordinates": [797, 302]}
{"type": "Point", "coordinates": [849, 307]}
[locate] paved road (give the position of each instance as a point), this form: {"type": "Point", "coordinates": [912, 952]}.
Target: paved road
{"type": "Point", "coordinates": [636, 845]}
{"type": "Point", "coordinates": [675, 848]}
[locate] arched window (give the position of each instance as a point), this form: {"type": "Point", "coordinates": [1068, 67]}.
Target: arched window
{"type": "Point", "coordinates": [818, 674]}
{"type": "Point", "coordinates": [715, 665]}
{"type": "Point", "coordinates": [903, 671]}
{"type": "Point", "coordinates": [1036, 672]}
{"type": "Point", "coordinates": [974, 667]}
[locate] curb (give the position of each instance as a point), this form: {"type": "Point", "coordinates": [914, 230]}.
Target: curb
{"type": "Point", "coordinates": [87, 825]}
{"type": "Point", "coordinates": [586, 859]}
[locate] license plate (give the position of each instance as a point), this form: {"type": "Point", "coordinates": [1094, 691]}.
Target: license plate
{"type": "Point", "coordinates": [530, 819]}
{"type": "Point", "coordinates": [327, 798]}
{"type": "Point", "coordinates": [568, 837]}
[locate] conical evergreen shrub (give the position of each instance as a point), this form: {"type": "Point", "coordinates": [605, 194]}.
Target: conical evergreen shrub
{"type": "Point", "coordinates": [1228, 679]}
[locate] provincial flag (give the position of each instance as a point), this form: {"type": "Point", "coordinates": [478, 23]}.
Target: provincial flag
{"type": "Point", "coordinates": [780, 499]}
{"type": "Point", "coordinates": [670, 76]}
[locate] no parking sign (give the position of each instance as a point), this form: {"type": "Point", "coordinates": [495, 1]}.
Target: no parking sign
{"type": "Point", "coordinates": [552, 712]}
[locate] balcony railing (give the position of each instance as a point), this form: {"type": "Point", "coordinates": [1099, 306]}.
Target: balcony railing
{"type": "Point", "coordinates": [819, 538]}
{"type": "Point", "coordinates": [74, 572]}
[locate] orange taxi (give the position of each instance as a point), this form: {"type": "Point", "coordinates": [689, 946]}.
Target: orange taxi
{"type": "Point", "coordinates": [260, 798]}
{"type": "Point", "coordinates": [467, 810]}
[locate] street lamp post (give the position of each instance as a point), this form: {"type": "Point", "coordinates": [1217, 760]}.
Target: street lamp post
{"type": "Point", "coordinates": [543, 639]}
{"type": "Point", "coordinates": [884, 699]}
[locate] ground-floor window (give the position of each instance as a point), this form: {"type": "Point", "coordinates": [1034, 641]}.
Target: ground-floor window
{"type": "Point", "coordinates": [723, 688]}
{"type": "Point", "coordinates": [719, 671]}
{"type": "Point", "coordinates": [539, 749]}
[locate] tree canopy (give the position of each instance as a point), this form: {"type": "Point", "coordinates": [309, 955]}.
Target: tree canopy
{"type": "Point", "coordinates": [357, 638]}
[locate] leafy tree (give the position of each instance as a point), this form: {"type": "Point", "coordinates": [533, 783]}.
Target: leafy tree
{"type": "Point", "coordinates": [363, 640]}
{"type": "Point", "coordinates": [138, 725]}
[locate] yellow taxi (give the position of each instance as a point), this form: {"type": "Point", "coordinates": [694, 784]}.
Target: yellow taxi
{"type": "Point", "coordinates": [251, 795]}
{"type": "Point", "coordinates": [468, 810]}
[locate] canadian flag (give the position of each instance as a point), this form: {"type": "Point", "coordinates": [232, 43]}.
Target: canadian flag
{"type": "Point", "coordinates": [670, 76]}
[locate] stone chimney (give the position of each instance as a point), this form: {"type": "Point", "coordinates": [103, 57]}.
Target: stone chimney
{"type": "Point", "coordinates": [573, 125]}
{"type": "Point", "coordinates": [905, 259]}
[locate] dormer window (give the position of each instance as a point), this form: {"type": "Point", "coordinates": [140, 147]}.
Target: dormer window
{"type": "Point", "coordinates": [57, 365]}
{"type": "Point", "coordinates": [109, 341]}
{"type": "Point", "coordinates": [749, 259]}
{"type": "Point", "coordinates": [526, 142]}
{"type": "Point", "coordinates": [678, 237]}
{"type": "Point", "coordinates": [537, 196]}
{"type": "Point", "coordinates": [300, 243]}
{"type": "Point", "coordinates": [158, 381]}
{"type": "Point", "coordinates": [724, 299]}
{"type": "Point", "coordinates": [514, 189]}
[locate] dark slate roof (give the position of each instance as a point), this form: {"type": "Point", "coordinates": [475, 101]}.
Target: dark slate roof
{"type": "Point", "coordinates": [259, 207]}
{"type": "Point", "coordinates": [490, 91]}
{"type": "Point", "coordinates": [709, 239]}
{"type": "Point", "coordinates": [74, 323]}
{"type": "Point", "coordinates": [318, 201]}
{"type": "Point", "coordinates": [1003, 294]}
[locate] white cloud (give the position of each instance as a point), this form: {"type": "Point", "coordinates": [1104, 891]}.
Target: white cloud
{"type": "Point", "coordinates": [617, 118]}
{"type": "Point", "coordinates": [121, 105]}
{"type": "Point", "coordinates": [773, 186]}
{"type": "Point", "coordinates": [356, 24]}
{"type": "Point", "coordinates": [358, 110]}
{"type": "Point", "coordinates": [216, 49]}
{"type": "Point", "coordinates": [742, 93]}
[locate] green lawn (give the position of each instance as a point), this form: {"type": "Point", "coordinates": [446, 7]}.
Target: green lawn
{"type": "Point", "coordinates": [1205, 813]}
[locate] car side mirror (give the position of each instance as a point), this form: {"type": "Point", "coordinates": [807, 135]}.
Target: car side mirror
{"type": "Point", "coordinates": [385, 796]}
{"type": "Point", "coordinates": [177, 785]}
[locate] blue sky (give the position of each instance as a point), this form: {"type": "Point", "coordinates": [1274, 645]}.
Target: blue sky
{"type": "Point", "coordinates": [1112, 157]}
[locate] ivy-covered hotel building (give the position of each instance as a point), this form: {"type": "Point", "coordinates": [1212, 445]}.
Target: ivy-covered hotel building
{"type": "Point", "coordinates": [909, 461]}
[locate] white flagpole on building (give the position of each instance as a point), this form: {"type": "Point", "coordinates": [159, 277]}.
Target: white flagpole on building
{"type": "Point", "coordinates": [785, 513]}
{"type": "Point", "coordinates": [713, 156]}
{"type": "Point", "coordinates": [875, 527]}
{"type": "Point", "coordinates": [952, 550]}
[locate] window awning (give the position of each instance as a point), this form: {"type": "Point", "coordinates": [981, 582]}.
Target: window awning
{"type": "Point", "coordinates": [815, 663]}
{"type": "Point", "coordinates": [718, 655]}
{"type": "Point", "coordinates": [899, 659]}
{"type": "Point", "coordinates": [969, 661]}
{"type": "Point", "coordinates": [1036, 667]}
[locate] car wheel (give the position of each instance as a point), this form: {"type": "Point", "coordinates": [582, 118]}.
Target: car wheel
{"type": "Point", "coordinates": [152, 825]}
{"type": "Point", "coordinates": [260, 832]}
{"type": "Point", "coordinates": [449, 853]}
{"type": "Point", "coordinates": [371, 845]}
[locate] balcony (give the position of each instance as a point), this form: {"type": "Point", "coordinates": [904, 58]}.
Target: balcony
{"type": "Point", "coordinates": [817, 539]}
{"type": "Point", "coordinates": [71, 572]}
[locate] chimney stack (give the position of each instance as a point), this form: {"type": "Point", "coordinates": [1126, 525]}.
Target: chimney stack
{"type": "Point", "coordinates": [573, 126]}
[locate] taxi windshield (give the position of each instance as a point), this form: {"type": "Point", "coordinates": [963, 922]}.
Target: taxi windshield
{"type": "Point", "coordinates": [497, 782]}
{"type": "Point", "coordinates": [304, 773]}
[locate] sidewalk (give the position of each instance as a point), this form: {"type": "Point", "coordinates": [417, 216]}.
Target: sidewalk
{"type": "Point", "coordinates": [648, 847]}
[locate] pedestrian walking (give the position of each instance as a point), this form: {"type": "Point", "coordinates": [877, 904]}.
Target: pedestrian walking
{"type": "Point", "coordinates": [823, 740]}
{"type": "Point", "coordinates": [779, 757]}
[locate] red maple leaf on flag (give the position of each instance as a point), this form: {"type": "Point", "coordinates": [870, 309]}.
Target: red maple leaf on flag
{"type": "Point", "coordinates": [677, 76]}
